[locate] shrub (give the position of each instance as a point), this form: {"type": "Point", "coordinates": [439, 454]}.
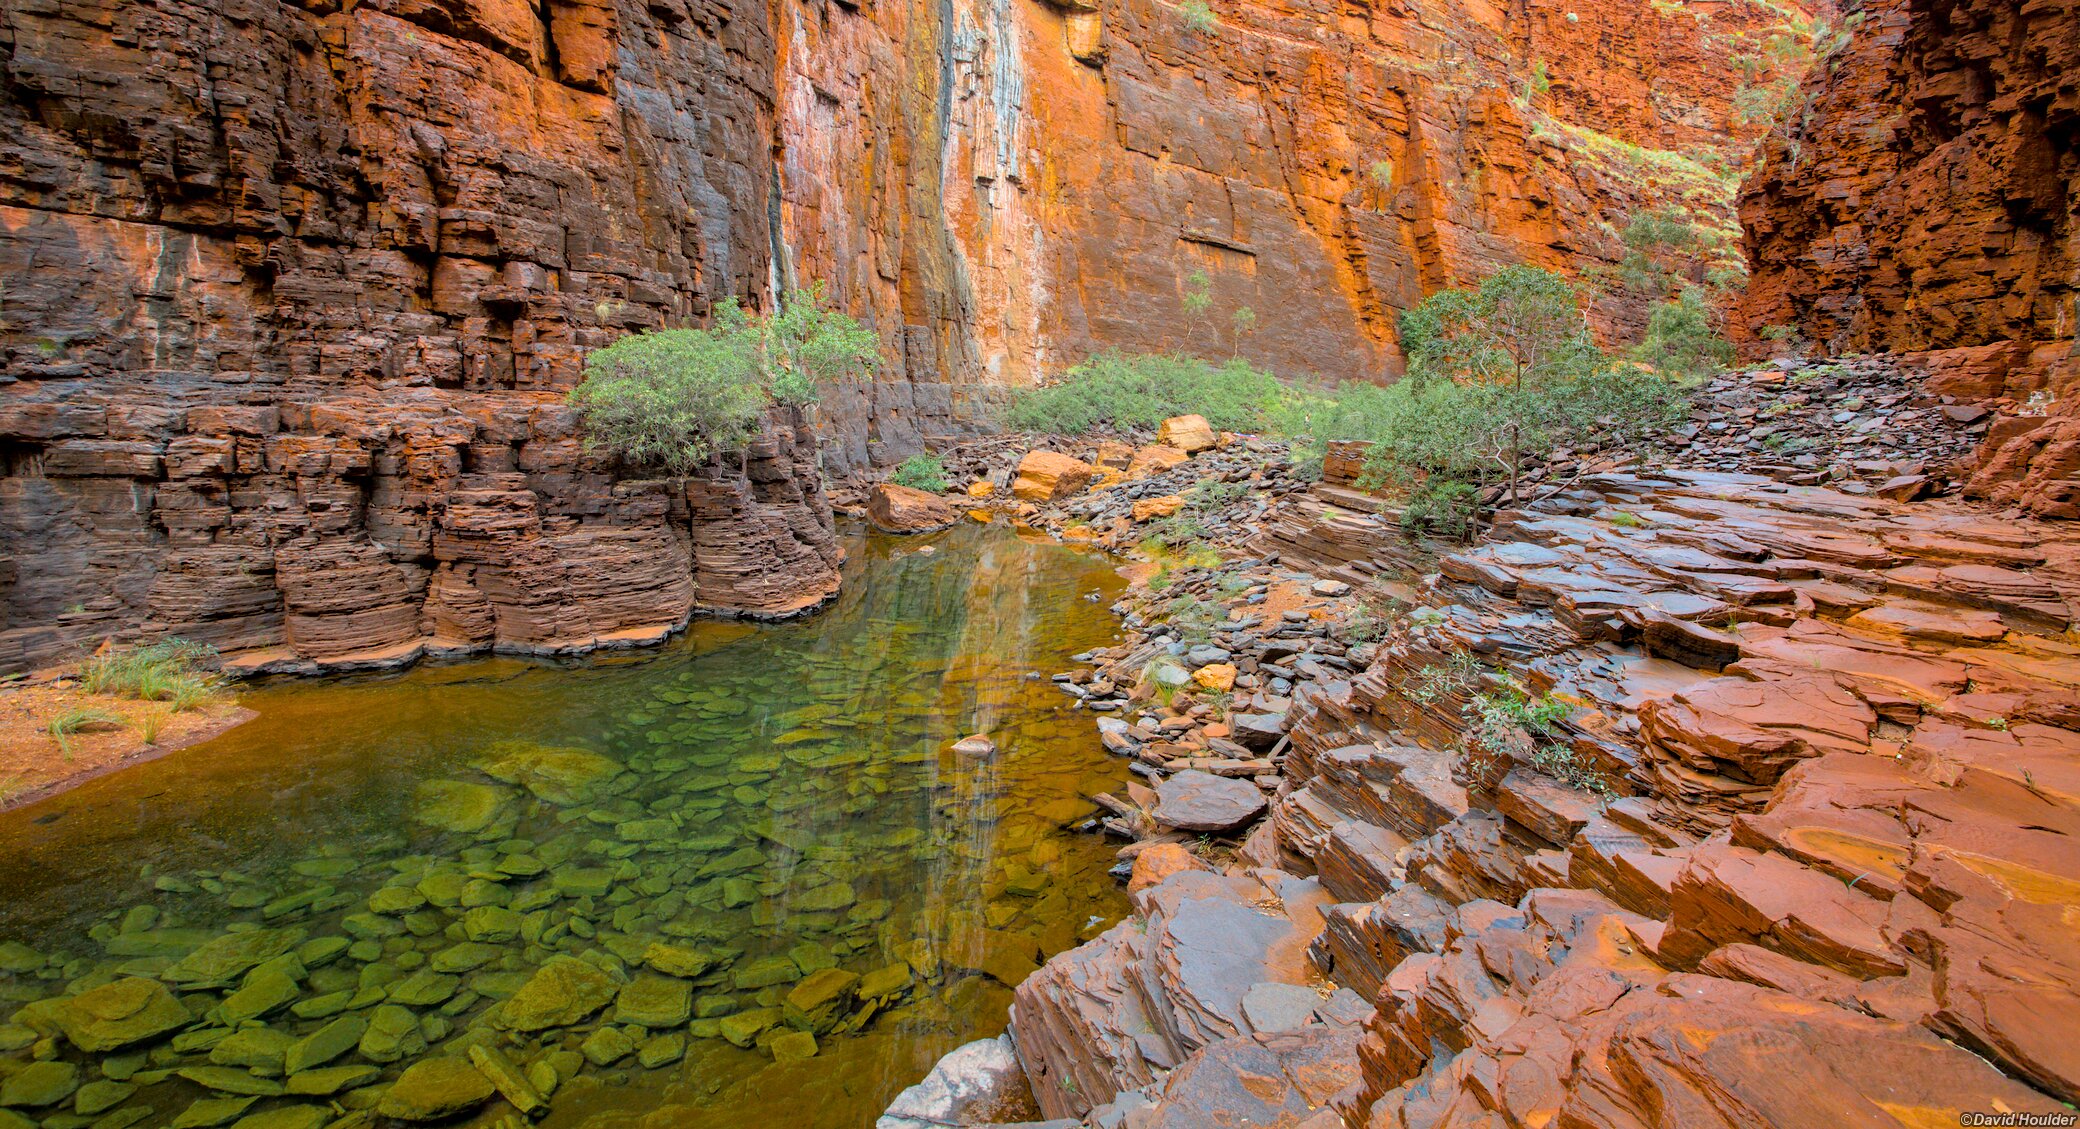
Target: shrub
{"type": "Point", "coordinates": [1143, 390]}
{"type": "Point", "coordinates": [1681, 341]}
{"type": "Point", "coordinates": [921, 472]}
{"type": "Point", "coordinates": [1498, 376]}
{"type": "Point", "coordinates": [675, 398]}
{"type": "Point", "coordinates": [1512, 725]}
{"type": "Point", "coordinates": [1198, 18]}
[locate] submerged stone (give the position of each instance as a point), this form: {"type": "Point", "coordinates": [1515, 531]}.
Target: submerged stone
{"type": "Point", "coordinates": [287, 1117]}
{"type": "Point", "coordinates": [435, 1088]}
{"type": "Point", "coordinates": [606, 1046]}
{"type": "Point", "coordinates": [765, 972]}
{"type": "Point", "coordinates": [39, 1084]}
{"type": "Point", "coordinates": [562, 992]}
{"type": "Point", "coordinates": [820, 1000]}
{"type": "Point", "coordinates": [744, 1028]}
{"type": "Point", "coordinates": [676, 960]}
{"type": "Point", "coordinates": [226, 1080]}
{"type": "Point", "coordinates": [654, 1001]}
{"type": "Point", "coordinates": [794, 1046]}
{"type": "Point", "coordinates": [219, 962]}
{"type": "Point", "coordinates": [211, 1112]}
{"type": "Point", "coordinates": [115, 1015]}
{"type": "Point", "coordinates": [100, 1097]}
{"type": "Point", "coordinates": [459, 805]}
{"type": "Point", "coordinates": [325, 1044]}
{"type": "Point", "coordinates": [326, 1081]}
{"type": "Point", "coordinates": [506, 1078]}
{"type": "Point", "coordinates": [561, 776]}
{"type": "Point", "coordinates": [254, 1048]}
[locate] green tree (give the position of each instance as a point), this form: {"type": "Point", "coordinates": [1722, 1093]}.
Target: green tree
{"type": "Point", "coordinates": [1682, 342]}
{"type": "Point", "coordinates": [676, 398]}
{"type": "Point", "coordinates": [1509, 342]}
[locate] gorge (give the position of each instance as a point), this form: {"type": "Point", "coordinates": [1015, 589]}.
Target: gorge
{"type": "Point", "coordinates": [1701, 756]}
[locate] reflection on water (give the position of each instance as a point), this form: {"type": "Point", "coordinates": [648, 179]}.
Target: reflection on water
{"type": "Point", "coordinates": [756, 838]}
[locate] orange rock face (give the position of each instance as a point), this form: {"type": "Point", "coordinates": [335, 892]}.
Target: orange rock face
{"type": "Point", "coordinates": [1040, 181]}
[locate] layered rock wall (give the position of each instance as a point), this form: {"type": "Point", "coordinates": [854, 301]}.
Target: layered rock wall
{"type": "Point", "coordinates": [1926, 201]}
{"type": "Point", "coordinates": [291, 291]}
{"type": "Point", "coordinates": [1011, 185]}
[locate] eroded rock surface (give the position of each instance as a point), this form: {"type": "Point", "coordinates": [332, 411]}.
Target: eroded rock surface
{"type": "Point", "coordinates": [1797, 854]}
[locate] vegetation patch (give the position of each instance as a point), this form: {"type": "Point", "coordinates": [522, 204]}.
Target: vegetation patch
{"type": "Point", "coordinates": [674, 399]}
{"type": "Point", "coordinates": [1142, 390]}
{"type": "Point", "coordinates": [921, 472]}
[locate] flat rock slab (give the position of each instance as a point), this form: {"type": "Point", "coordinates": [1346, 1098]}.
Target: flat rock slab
{"type": "Point", "coordinates": [1270, 1006]}
{"type": "Point", "coordinates": [1201, 801]}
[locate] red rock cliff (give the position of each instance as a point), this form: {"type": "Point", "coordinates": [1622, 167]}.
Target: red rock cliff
{"type": "Point", "coordinates": [1010, 185]}
{"type": "Point", "coordinates": [291, 288]}
{"type": "Point", "coordinates": [1927, 202]}
{"type": "Point", "coordinates": [290, 291]}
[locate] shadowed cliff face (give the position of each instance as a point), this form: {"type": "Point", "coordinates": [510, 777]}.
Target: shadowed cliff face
{"type": "Point", "coordinates": [1928, 203]}
{"type": "Point", "coordinates": [292, 289]}
{"type": "Point", "coordinates": [290, 292]}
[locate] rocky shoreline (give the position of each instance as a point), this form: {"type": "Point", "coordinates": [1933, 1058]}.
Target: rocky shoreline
{"type": "Point", "coordinates": [1688, 795]}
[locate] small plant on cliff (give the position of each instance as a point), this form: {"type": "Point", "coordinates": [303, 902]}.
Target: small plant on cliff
{"type": "Point", "coordinates": [1539, 84]}
{"type": "Point", "coordinates": [921, 472]}
{"type": "Point", "coordinates": [1198, 17]}
{"type": "Point", "coordinates": [1456, 675]}
{"type": "Point", "coordinates": [1514, 726]}
{"type": "Point", "coordinates": [676, 398]}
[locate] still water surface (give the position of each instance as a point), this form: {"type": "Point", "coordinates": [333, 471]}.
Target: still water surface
{"type": "Point", "coordinates": [380, 870]}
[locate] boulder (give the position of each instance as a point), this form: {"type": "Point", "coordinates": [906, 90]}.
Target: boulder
{"type": "Point", "coordinates": [1046, 476]}
{"type": "Point", "coordinates": [1154, 459]}
{"type": "Point", "coordinates": [968, 1084]}
{"type": "Point", "coordinates": [1190, 434]}
{"type": "Point", "coordinates": [1201, 801]}
{"type": "Point", "coordinates": [1217, 677]}
{"type": "Point", "coordinates": [901, 509]}
{"type": "Point", "coordinates": [1148, 509]}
